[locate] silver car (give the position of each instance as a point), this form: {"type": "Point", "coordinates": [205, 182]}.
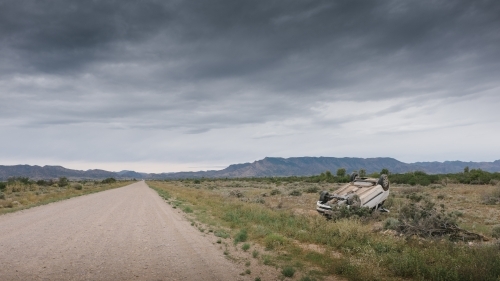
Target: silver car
{"type": "Point", "coordinates": [360, 192]}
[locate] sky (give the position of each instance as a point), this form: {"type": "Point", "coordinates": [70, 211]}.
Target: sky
{"type": "Point", "coordinates": [165, 86]}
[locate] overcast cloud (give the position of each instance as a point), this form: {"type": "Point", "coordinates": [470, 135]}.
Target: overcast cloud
{"type": "Point", "coordinates": [159, 86]}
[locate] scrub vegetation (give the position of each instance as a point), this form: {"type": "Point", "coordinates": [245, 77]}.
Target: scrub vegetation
{"type": "Point", "coordinates": [277, 217]}
{"type": "Point", "coordinates": [21, 192]}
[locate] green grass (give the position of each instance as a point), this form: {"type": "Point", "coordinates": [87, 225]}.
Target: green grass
{"type": "Point", "coordinates": [288, 271]}
{"type": "Point", "coordinates": [241, 236]}
{"type": "Point", "coordinates": [245, 247]}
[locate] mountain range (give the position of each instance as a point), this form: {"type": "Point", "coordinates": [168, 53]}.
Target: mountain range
{"type": "Point", "coordinates": [267, 167]}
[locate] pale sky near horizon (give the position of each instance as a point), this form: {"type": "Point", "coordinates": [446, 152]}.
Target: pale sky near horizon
{"type": "Point", "coordinates": [164, 86]}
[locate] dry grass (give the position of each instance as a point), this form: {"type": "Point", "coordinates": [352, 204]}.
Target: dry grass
{"type": "Point", "coordinates": [20, 196]}
{"type": "Point", "coordinates": [292, 234]}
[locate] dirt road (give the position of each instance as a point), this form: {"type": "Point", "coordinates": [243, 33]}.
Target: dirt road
{"type": "Point", "coordinates": [128, 233]}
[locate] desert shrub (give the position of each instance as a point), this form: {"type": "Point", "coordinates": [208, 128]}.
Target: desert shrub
{"type": "Point", "coordinates": [259, 200]}
{"type": "Point", "coordinates": [221, 233]}
{"type": "Point", "coordinates": [241, 236]}
{"type": "Point", "coordinates": [245, 247]}
{"type": "Point", "coordinates": [77, 186]}
{"type": "Point", "coordinates": [350, 212]}
{"type": "Point", "coordinates": [312, 189]}
{"type": "Point", "coordinates": [415, 197]}
{"type": "Point", "coordinates": [255, 254]}
{"type": "Point", "coordinates": [414, 178]}
{"type": "Point", "coordinates": [341, 172]}
{"type": "Point", "coordinates": [63, 181]}
{"type": "Point", "coordinates": [288, 271]}
{"type": "Point", "coordinates": [275, 192]}
{"type": "Point", "coordinates": [495, 231]}
{"type": "Point", "coordinates": [196, 181]}
{"type": "Point", "coordinates": [273, 241]}
{"type": "Point", "coordinates": [236, 193]}
{"type": "Point", "coordinates": [424, 220]}
{"type": "Point", "coordinates": [391, 223]}
{"type": "Point", "coordinates": [42, 183]}
{"type": "Point", "coordinates": [2, 195]}
{"type": "Point", "coordinates": [109, 180]}
{"type": "Point", "coordinates": [492, 197]}
{"type": "Point", "coordinates": [3, 185]}
{"type": "Point", "coordinates": [295, 193]}
{"type": "Point", "coordinates": [187, 209]}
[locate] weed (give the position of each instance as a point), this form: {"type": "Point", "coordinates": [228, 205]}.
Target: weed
{"type": "Point", "coordinates": [255, 254]}
{"type": "Point", "coordinates": [241, 236]}
{"type": "Point", "coordinates": [245, 247]}
{"type": "Point", "coordinates": [391, 223]}
{"type": "Point", "coordinates": [221, 233]}
{"type": "Point", "coordinates": [219, 241]}
{"type": "Point", "coordinates": [273, 241]}
{"type": "Point", "coordinates": [312, 189]}
{"type": "Point", "coordinates": [248, 272]}
{"type": "Point", "coordinates": [187, 209]}
{"type": "Point", "coordinates": [247, 263]}
{"type": "Point", "coordinates": [267, 260]}
{"type": "Point", "coordinates": [288, 271]}
{"type": "Point", "coordinates": [275, 192]}
{"type": "Point", "coordinates": [495, 231]}
{"type": "Point", "coordinates": [257, 279]}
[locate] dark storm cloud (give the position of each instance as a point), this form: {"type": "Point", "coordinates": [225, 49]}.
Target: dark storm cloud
{"type": "Point", "coordinates": [200, 65]}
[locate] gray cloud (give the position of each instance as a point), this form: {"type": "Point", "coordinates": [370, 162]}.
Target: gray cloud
{"type": "Point", "coordinates": [196, 68]}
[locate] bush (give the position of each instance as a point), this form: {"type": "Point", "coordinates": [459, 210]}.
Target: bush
{"type": "Point", "coordinates": [3, 185]}
{"type": "Point", "coordinates": [273, 241]}
{"type": "Point", "coordinates": [221, 233]}
{"type": "Point", "coordinates": [241, 236]}
{"type": "Point", "coordinates": [63, 181]}
{"type": "Point", "coordinates": [312, 189]}
{"type": "Point", "coordinates": [492, 198]}
{"type": "Point", "coordinates": [109, 180]}
{"type": "Point", "coordinates": [495, 231]}
{"type": "Point", "coordinates": [275, 192]}
{"type": "Point", "coordinates": [350, 211]}
{"type": "Point", "coordinates": [295, 193]}
{"type": "Point", "coordinates": [391, 223]}
{"type": "Point", "coordinates": [42, 183]}
{"type": "Point", "coordinates": [77, 186]}
{"type": "Point", "coordinates": [288, 271]}
{"type": "Point", "coordinates": [245, 247]}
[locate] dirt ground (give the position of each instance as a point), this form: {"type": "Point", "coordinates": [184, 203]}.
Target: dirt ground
{"type": "Point", "coordinates": [128, 233]}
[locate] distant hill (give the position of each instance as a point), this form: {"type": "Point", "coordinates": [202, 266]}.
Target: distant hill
{"type": "Point", "coordinates": [307, 166]}
{"type": "Point", "coordinates": [267, 167]}
{"type": "Point", "coordinates": [50, 172]}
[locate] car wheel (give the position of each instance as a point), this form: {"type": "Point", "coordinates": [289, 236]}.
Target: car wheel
{"type": "Point", "coordinates": [324, 196]}
{"type": "Point", "coordinates": [354, 175]}
{"type": "Point", "coordinates": [384, 182]}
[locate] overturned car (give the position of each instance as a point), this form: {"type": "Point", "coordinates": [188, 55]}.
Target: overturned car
{"type": "Point", "coordinates": [360, 192]}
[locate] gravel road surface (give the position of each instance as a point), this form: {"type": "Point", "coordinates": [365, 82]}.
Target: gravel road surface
{"type": "Point", "coordinates": [128, 233]}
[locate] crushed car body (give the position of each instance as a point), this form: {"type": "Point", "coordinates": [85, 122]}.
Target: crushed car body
{"type": "Point", "coordinates": [360, 192]}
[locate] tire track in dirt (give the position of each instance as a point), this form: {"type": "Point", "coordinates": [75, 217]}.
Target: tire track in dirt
{"type": "Point", "coordinates": [128, 233]}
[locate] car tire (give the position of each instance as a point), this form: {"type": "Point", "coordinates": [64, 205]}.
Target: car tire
{"type": "Point", "coordinates": [324, 196]}
{"type": "Point", "coordinates": [354, 175]}
{"type": "Point", "coordinates": [384, 181]}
